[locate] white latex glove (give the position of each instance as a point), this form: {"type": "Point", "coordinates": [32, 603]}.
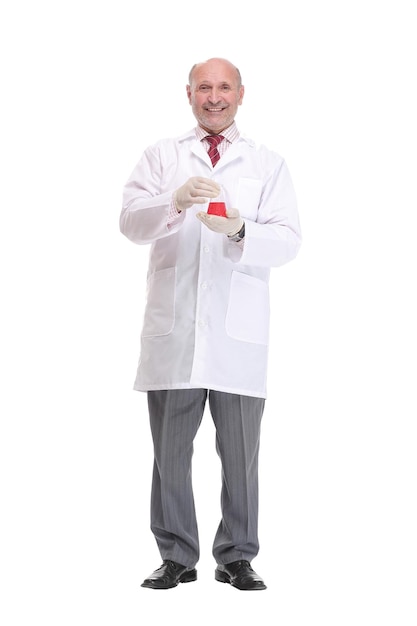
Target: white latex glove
{"type": "Point", "coordinates": [229, 225]}
{"type": "Point", "coordinates": [196, 190]}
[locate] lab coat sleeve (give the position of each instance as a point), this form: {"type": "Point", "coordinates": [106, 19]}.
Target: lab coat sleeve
{"type": "Point", "coordinates": [145, 215]}
{"type": "Point", "coordinates": [275, 237]}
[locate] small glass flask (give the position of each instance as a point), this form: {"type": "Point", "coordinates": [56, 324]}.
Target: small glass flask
{"type": "Point", "coordinates": [218, 206]}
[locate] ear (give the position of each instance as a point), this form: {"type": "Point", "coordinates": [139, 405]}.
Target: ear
{"type": "Point", "coordinates": [241, 94]}
{"type": "Point", "coordinates": [188, 88]}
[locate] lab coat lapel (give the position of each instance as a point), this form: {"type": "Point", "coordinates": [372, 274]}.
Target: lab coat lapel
{"type": "Point", "coordinates": [197, 148]}
{"type": "Point", "coordinates": [230, 155]}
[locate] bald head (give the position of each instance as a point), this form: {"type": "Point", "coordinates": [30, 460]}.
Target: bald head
{"type": "Point", "coordinates": [216, 62]}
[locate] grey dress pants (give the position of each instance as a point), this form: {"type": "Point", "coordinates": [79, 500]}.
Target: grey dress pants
{"type": "Point", "coordinates": [175, 416]}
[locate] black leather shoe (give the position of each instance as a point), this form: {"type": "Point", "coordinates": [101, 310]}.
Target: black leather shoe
{"type": "Point", "coordinates": [239, 574]}
{"type": "Point", "coordinates": [169, 575]}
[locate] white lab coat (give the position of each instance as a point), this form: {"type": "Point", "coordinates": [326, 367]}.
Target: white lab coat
{"type": "Point", "coordinates": [206, 321]}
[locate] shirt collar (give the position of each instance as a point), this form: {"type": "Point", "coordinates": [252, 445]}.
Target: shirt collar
{"type": "Point", "coordinates": [230, 133]}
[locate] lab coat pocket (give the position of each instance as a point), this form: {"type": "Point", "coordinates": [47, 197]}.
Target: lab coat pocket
{"type": "Point", "coordinates": [248, 197]}
{"type": "Point", "coordinates": [247, 317]}
{"type": "Point", "coordinates": [160, 305]}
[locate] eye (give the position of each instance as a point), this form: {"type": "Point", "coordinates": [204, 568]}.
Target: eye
{"type": "Point", "coordinates": [204, 88]}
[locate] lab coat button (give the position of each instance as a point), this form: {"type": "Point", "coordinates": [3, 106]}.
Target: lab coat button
{"type": "Point", "coordinates": [206, 249]}
{"type": "Point", "coordinates": [204, 285]}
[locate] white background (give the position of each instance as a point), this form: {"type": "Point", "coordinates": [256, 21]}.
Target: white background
{"type": "Point", "coordinates": [86, 86]}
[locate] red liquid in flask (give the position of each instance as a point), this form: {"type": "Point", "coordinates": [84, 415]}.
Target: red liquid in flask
{"type": "Point", "coordinates": [217, 208]}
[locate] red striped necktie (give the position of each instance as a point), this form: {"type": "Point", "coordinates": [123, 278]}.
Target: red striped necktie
{"type": "Point", "coordinates": [214, 141]}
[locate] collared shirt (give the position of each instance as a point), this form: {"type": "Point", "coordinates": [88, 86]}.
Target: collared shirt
{"type": "Point", "coordinates": [230, 134]}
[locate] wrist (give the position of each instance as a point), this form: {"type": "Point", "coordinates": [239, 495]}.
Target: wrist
{"type": "Point", "coordinates": [175, 202]}
{"type": "Point", "coordinates": [239, 235]}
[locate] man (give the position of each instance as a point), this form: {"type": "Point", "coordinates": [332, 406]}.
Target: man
{"type": "Point", "coordinates": [205, 331]}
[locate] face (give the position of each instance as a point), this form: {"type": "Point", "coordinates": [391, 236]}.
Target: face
{"type": "Point", "coordinates": [215, 93]}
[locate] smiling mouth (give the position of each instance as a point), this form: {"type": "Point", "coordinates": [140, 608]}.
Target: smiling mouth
{"type": "Point", "coordinates": [215, 109]}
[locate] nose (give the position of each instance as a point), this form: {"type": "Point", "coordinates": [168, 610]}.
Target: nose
{"type": "Point", "coordinates": [214, 96]}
